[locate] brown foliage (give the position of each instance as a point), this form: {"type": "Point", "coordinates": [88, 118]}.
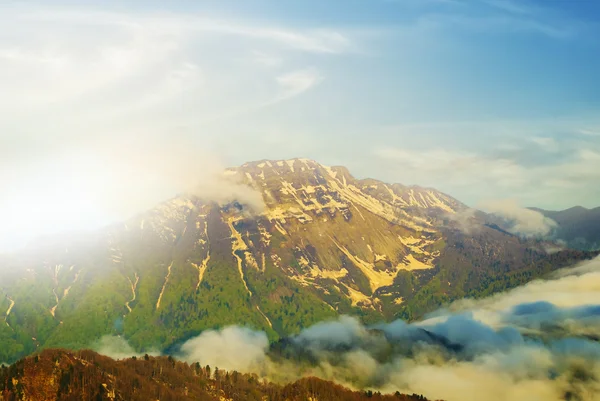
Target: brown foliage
{"type": "Point", "coordinates": [85, 375]}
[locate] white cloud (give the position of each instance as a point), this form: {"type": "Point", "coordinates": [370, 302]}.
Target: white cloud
{"type": "Point", "coordinates": [297, 82]}
{"type": "Point", "coordinates": [522, 221]}
{"type": "Point", "coordinates": [232, 348]}
{"type": "Point", "coordinates": [465, 220]}
{"type": "Point", "coordinates": [117, 347]}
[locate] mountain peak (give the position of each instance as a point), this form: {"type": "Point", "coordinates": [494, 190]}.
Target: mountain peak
{"type": "Point", "coordinates": [311, 186]}
{"type": "Point", "coordinates": [280, 163]}
{"type": "Point", "coordinates": [323, 244]}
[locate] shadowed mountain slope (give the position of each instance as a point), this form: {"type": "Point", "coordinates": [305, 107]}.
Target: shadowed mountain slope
{"type": "Point", "coordinates": [578, 227]}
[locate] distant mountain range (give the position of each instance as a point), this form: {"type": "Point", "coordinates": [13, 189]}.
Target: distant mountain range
{"type": "Point", "coordinates": [60, 375]}
{"type": "Point", "coordinates": [578, 227]}
{"type": "Point", "coordinates": [293, 243]}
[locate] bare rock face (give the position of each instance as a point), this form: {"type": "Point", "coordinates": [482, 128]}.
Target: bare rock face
{"type": "Point", "coordinates": [343, 234]}
{"type": "Point", "coordinates": [312, 243]}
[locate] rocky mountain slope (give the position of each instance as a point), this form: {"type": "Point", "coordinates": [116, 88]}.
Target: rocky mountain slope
{"type": "Point", "coordinates": [85, 375]}
{"type": "Point", "coordinates": [578, 227]}
{"type": "Point", "coordinates": [322, 244]}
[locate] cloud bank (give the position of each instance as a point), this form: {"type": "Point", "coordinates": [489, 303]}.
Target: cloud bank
{"type": "Point", "coordinates": [538, 342]}
{"type": "Point", "coordinates": [233, 348]}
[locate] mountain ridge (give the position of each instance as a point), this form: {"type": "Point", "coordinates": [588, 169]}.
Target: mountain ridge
{"type": "Point", "coordinates": [577, 227]}
{"type": "Point", "coordinates": [343, 168]}
{"type": "Point", "coordinates": [319, 244]}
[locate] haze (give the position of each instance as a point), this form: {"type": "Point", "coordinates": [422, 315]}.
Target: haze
{"type": "Point", "coordinates": [109, 108]}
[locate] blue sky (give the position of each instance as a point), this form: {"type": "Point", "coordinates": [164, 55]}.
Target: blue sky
{"type": "Point", "coordinates": [119, 103]}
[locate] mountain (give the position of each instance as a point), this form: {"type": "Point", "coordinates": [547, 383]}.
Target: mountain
{"type": "Point", "coordinates": [302, 243]}
{"type": "Point", "coordinates": [85, 375]}
{"type": "Point", "coordinates": [578, 227]}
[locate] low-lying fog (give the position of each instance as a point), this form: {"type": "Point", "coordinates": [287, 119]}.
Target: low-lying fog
{"type": "Point", "coordinates": [540, 342]}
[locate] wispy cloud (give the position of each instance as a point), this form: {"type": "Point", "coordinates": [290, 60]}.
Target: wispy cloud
{"type": "Point", "coordinates": [496, 16]}
{"type": "Point", "coordinates": [72, 77]}
{"type": "Point", "coordinates": [297, 82]}
{"type": "Point", "coordinates": [459, 167]}
{"type": "Point", "coordinates": [522, 221]}
{"type": "Point", "coordinates": [426, 3]}
{"type": "Point", "coordinates": [547, 143]}
{"type": "Point", "coordinates": [267, 60]}
{"type": "Point", "coordinates": [499, 23]}
{"type": "Point", "coordinates": [590, 132]}
{"type": "Point", "coordinates": [509, 6]}
{"type": "Point", "coordinates": [314, 40]}
{"type": "Point", "coordinates": [81, 84]}
{"type": "Point", "coordinates": [559, 171]}
{"type": "Point", "coordinates": [321, 40]}
{"type": "Point", "coordinates": [117, 46]}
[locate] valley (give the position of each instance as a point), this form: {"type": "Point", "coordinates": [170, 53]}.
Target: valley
{"type": "Point", "coordinates": [323, 244]}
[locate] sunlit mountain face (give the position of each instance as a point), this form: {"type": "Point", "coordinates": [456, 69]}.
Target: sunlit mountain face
{"type": "Point", "coordinates": [275, 245]}
{"type": "Point", "coordinates": [324, 200]}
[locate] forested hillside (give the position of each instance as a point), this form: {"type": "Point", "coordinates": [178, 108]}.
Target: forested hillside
{"type": "Point", "coordinates": [59, 375]}
{"type": "Point", "coordinates": [577, 227]}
